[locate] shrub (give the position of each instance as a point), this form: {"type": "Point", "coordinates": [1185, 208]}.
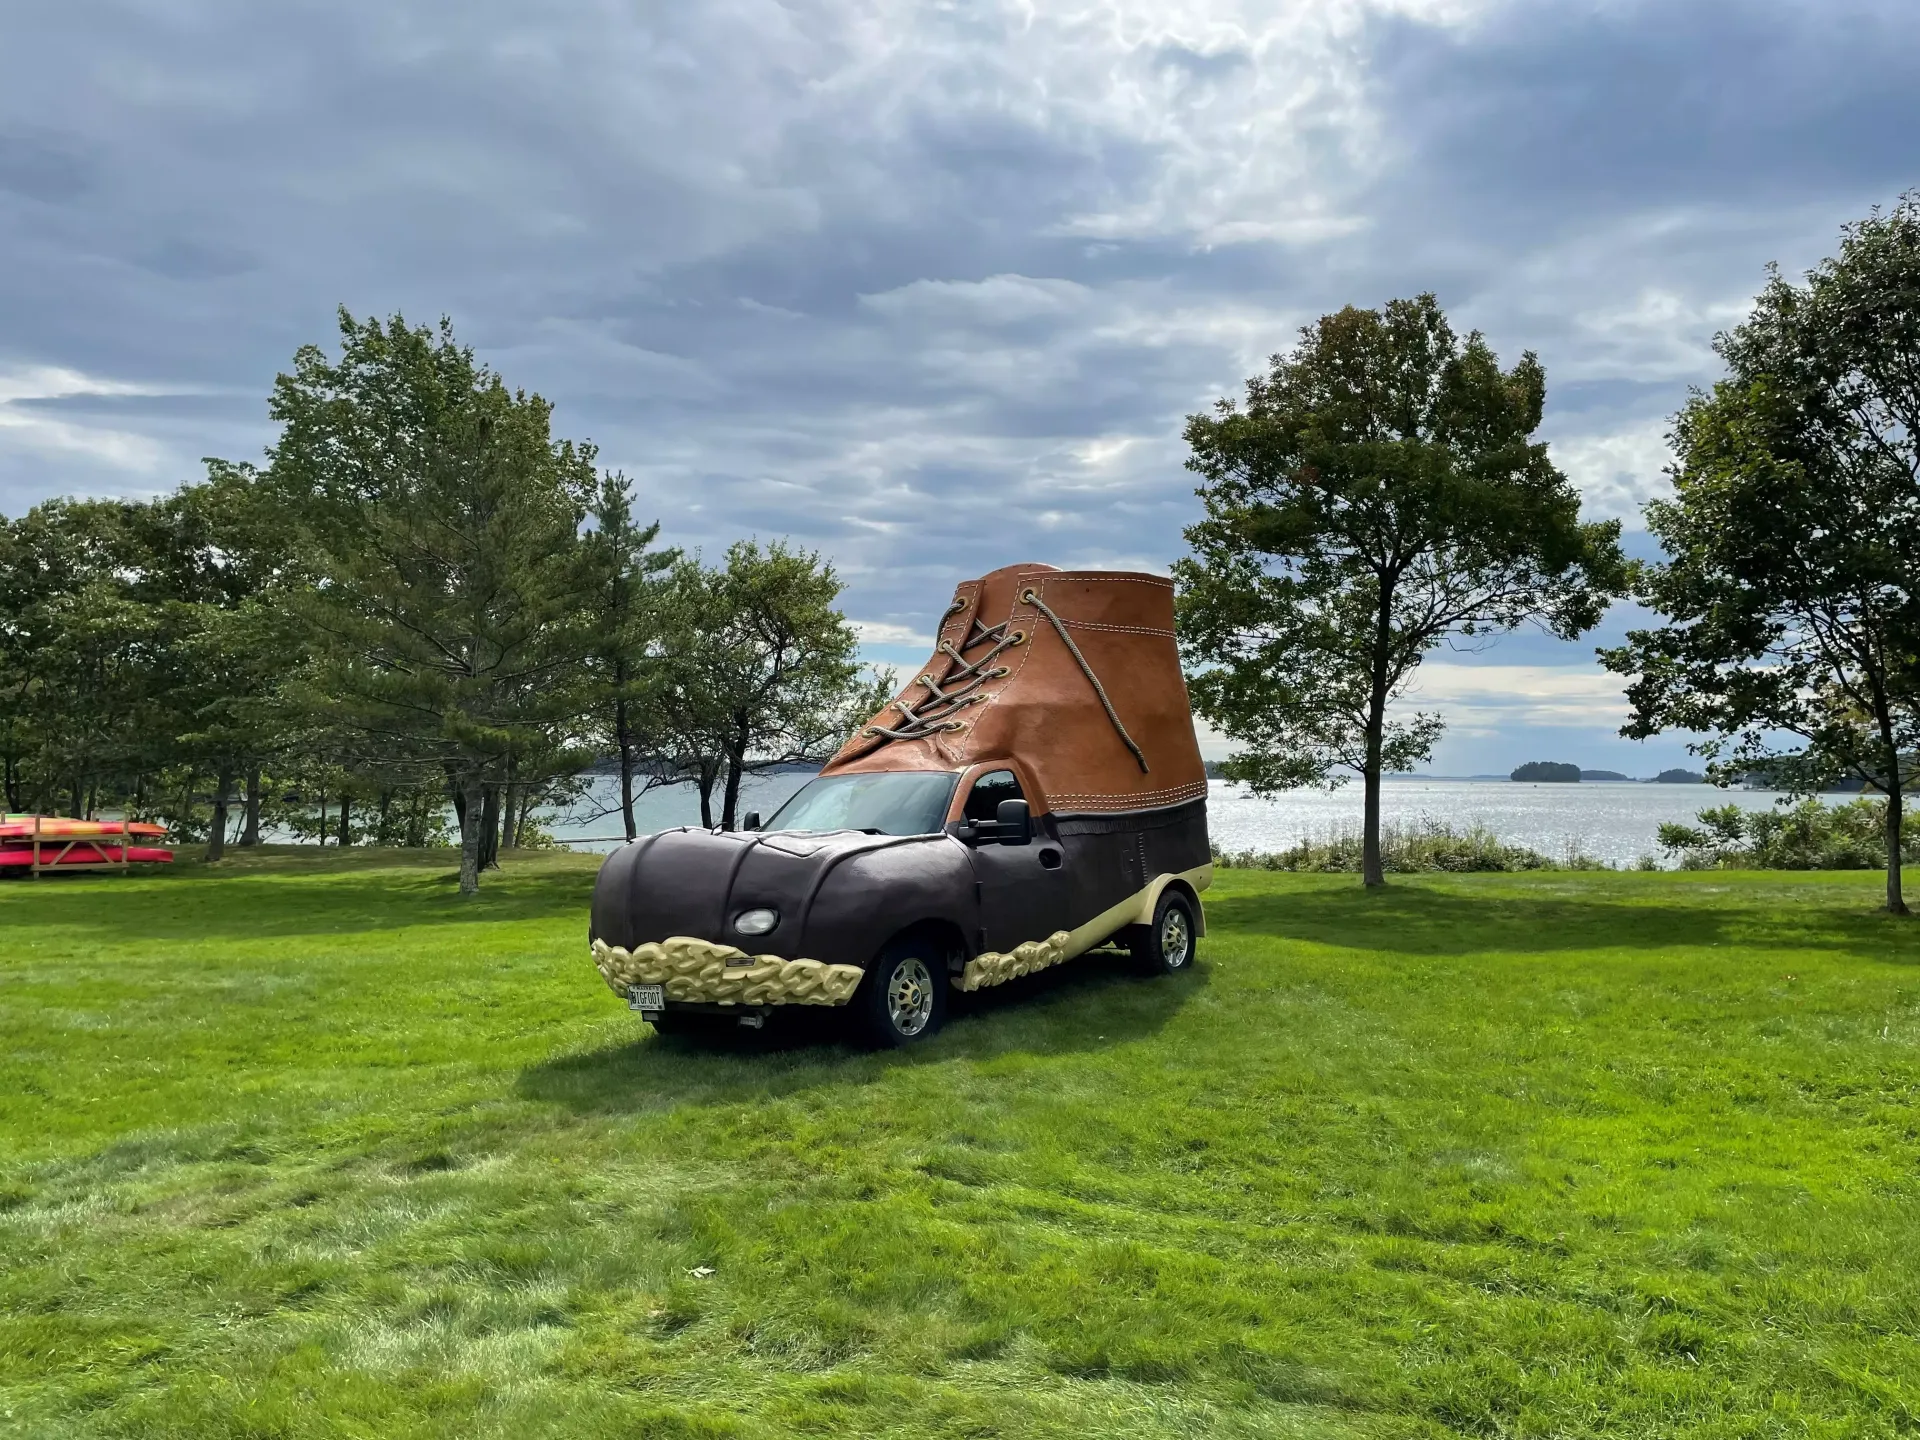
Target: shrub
{"type": "Point", "coordinates": [1427, 846]}
{"type": "Point", "coordinates": [1811, 835]}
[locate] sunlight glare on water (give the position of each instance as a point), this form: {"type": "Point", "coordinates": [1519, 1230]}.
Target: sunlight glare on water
{"type": "Point", "coordinates": [1612, 821]}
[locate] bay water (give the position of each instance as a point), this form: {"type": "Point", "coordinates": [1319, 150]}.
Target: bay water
{"type": "Point", "coordinates": [1613, 821]}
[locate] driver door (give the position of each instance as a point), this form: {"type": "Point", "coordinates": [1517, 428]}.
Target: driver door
{"type": "Point", "coordinates": [1023, 888]}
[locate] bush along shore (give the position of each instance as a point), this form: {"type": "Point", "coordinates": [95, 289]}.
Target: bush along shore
{"type": "Point", "coordinates": [1811, 835]}
{"type": "Point", "coordinates": [1424, 847]}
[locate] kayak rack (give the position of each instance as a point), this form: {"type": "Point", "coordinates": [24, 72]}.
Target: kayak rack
{"type": "Point", "coordinates": [64, 845]}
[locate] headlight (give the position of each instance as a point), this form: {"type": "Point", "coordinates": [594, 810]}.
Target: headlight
{"type": "Point", "coordinates": [756, 922]}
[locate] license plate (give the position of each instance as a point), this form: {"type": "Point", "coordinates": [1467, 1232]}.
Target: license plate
{"type": "Point", "coordinates": [646, 997]}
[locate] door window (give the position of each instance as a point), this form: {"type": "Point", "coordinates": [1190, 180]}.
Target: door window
{"type": "Point", "coordinates": [983, 801]}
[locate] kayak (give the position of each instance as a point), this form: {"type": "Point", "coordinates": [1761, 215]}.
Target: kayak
{"type": "Point", "coordinates": [83, 853]}
{"type": "Point", "coordinates": [55, 827]}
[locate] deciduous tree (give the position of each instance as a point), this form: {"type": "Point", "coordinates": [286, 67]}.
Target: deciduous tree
{"type": "Point", "coordinates": [1379, 492]}
{"type": "Point", "coordinates": [760, 668]}
{"type": "Point", "coordinates": [1791, 583]}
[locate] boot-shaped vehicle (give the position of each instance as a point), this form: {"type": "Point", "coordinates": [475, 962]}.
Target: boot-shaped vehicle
{"type": "Point", "coordinates": [1035, 791]}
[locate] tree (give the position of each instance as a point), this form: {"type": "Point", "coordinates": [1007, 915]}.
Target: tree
{"type": "Point", "coordinates": [760, 669]}
{"type": "Point", "coordinates": [1379, 493]}
{"type": "Point", "coordinates": [1791, 583]}
{"type": "Point", "coordinates": [624, 618]}
{"type": "Point", "coordinates": [443, 524]}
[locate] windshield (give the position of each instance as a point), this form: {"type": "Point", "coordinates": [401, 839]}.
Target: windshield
{"type": "Point", "coordinates": [898, 803]}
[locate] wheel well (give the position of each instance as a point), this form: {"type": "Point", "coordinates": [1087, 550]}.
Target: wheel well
{"type": "Point", "coordinates": [946, 938]}
{"type": "Point", "coordinates": [1192, 897]}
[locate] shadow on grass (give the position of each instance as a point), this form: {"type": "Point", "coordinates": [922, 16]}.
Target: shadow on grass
{"type": "Point", "coordinates": [1091, 1004]}
{"type": "Point", "coordinates": [276, 894]}
{"type": "Point", "coordinates": [1462, 917]}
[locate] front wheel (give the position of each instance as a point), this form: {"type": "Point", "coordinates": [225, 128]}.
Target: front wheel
{"type": "Point", "coordinates": [1166, 946]}
{"type": "Point", "coordinates": [903, 998]}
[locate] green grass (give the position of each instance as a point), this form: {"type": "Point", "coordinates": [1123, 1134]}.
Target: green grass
{"type": "Point", "coordinates": [307, 1146]}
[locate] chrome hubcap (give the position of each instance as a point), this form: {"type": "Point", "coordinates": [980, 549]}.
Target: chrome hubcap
{"type": "Point", "coordinates": [1175, 941]}
{"type": "Point", "coordinates": [910, 996]}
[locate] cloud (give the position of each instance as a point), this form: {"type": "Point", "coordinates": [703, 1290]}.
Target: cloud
{"type": "Point", "coordinates": [928, 288]}
{"type": "Point", "coordinates": [881, 632]}
{"type": "Point", "coordinates": [1498, 696]}
{"type": "Point", "coordinates": [28, 424]}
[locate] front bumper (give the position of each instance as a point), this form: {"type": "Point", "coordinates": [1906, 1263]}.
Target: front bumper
{"type": "Point", "coordinates": [700, 970]}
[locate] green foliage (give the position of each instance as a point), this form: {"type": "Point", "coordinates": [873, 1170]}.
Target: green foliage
{"type": "Point", "coordinates": [1427, 846]}
{"type": "Point", "coordinates": [423, 598]}
{"type": "Point", "coordinates": [1791, 589]}
{"type": "Point", "coordinates": [627, 625]}
{"type": "Point", "coordinates": [759, 668]}
{"type": "Point", "coordinates": [1548, 772]}
{"type": "Point", "coordinates": [443, 523]}
{"type": "Point", "coordinates": [1808, 836]}
{"type": "Point", "coordinates": [304, 1145]}
{"type": "Point", "coordinates": [1379, 493]}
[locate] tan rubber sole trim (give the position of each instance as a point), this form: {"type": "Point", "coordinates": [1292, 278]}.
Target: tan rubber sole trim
{"type": "Point", "coordinates": [1065, 945]}
{"type": "Point", "coordinates": [701, 970]}
{"type": "Point", "coordinates": [690, 969]}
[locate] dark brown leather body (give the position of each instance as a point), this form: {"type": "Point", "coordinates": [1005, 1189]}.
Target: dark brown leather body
{"type": "Point", "coordinates": [1044, 712]}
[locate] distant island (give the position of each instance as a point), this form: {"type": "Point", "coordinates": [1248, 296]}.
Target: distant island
{"type": "Point", "coordinates": [1679, 777]}
{"type": "Point", "coordinates": [1603, 775]}
{"type": "Point", "coordinates": [1550, 772]}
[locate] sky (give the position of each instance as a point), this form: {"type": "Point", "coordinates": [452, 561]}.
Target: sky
{"type": "Point", "coordinates": [929, 288]}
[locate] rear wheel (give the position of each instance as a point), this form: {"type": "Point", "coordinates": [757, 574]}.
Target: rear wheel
{"type": "Point", "coordinates": [903, 998]}
{"type": "Point", "coordinates": [1166, 946]}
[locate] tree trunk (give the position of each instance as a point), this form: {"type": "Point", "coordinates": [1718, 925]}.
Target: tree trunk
{"type": "Point", "coordinates": [1896, 900]}
{"type": "Point", "coordinates": [490, 828]}
{"type": "Point", "coordinates": [470, 802]}
{"type": "Point", "coordinates": [624, 736]}
{"type": "Point", "coordinates": [736, 763]}
{"type": "Point", "coordinates": [1372, 872]}
{"type": "Point", "coordinates": [79, 796]}
{"type": "Point", "coordinates": [217, 832]}
{"type": "Point", "coordinates": [346, 819]}
{"type": "Point", "coordinates": [709, 774]}
{"type": "Point", "coordinates": [325, 810]}
{"type": "Point", "coordinates": [381, 835]}
{"type": "Point", "coordinates": [250, 835]}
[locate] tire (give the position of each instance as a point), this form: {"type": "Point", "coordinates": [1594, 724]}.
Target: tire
{"type": "Point", "coordinates": [903, 999]}
{"type": "Point", "coordinates": [1168, 945]}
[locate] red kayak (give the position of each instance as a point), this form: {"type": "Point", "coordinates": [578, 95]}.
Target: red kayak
{"type": "Point", "coordinates": [57, 827]}
{"type": "Point", "coordinates": [83, 853]}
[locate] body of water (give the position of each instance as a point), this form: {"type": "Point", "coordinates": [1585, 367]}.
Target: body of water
{"type": "Point", "coordinates": [1614, 821]}
{"type": "Point", "coordinates": [1611, 821]}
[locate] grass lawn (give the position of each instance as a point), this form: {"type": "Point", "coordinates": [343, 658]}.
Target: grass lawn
{"type": "Point", "coordinates": [306, 1146]}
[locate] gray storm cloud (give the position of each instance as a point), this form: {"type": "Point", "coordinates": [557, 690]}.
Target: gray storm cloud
{"type": "Point", "coordinates": [912, 284]}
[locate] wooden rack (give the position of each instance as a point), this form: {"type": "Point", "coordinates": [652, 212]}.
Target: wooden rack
{"type": "Point", "coordinates": [63, 845]}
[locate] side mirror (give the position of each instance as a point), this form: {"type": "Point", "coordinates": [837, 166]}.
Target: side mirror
{"type": "Point", "coordinates": [752, 820]}
{"type": "Point", "coordinates": [1014, 823]}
